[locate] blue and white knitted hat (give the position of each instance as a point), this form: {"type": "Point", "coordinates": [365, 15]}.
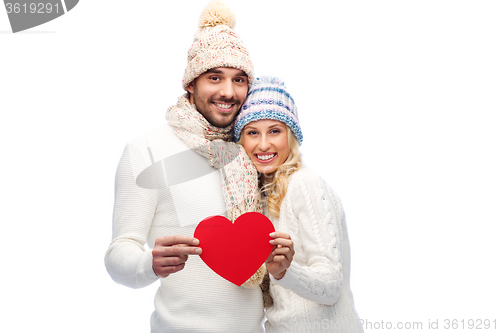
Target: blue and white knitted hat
{"type": "Point", "coordinates": [268, 99]}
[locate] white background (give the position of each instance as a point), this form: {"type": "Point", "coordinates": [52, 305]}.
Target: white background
{"type": "Point", "coordinates": [398, 101]}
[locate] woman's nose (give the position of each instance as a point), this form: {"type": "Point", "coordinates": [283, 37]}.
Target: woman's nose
{"type": "Point", "coordinates": [264, 143]}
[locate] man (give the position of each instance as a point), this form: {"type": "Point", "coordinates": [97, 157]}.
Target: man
{"type": "Point", "coordinates": [170, 179]}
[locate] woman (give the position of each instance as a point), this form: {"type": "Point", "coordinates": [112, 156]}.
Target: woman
{"type": "Point", "coordinates": [310, 265]}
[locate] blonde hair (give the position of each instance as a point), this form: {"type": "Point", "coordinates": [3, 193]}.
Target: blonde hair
{"type": "Point", "coordinates": [276, 183]}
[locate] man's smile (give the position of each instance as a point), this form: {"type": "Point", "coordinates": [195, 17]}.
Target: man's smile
{"type": "Point", "coordinates": [224, 107]}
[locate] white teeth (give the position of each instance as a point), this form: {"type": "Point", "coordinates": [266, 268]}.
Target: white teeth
{"type": "Point", "coordinates": [224, 106]}
{"type": "Point", "coordinates": [265, 157]}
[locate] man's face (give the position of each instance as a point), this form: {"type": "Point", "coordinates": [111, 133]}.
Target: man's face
{"type": "Point", "coordinates": [218, 94]}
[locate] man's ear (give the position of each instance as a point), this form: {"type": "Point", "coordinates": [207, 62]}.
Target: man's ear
{"type": "Point", "coordinates": [190, 87]}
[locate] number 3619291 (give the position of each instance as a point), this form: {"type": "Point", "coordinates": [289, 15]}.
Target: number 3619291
{"type": "Point", "coordinates": [32, 8]}
{"type": "Point", "coordinates": [470, 324]}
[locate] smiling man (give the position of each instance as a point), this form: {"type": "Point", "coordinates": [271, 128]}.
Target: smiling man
{"type": "Point", "coordinates": [170, 179]}
{"type": "Point", "coordinates": [218, 94]}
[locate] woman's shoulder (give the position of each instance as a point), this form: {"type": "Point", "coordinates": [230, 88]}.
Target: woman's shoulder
{"type": "Point", "coordinates": [307, 180]}
{"type": "Point", "coordinates": [306, 183]}
{"type": "Point", "coordinates": [311, 180]}
{"type": "Point", "coordinates": [307, 175]}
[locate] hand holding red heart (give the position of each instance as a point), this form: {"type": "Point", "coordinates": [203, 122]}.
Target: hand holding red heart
{"type": "Point", "coordinates": [170, 253]}
{"type": "Point", "coordinates": [282, 255]}
{"type": "Point", "coordinates": [236, 250]}
{"type": "Point", "coordinates": [250, 234]}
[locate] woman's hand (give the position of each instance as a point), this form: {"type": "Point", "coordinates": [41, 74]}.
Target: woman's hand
{"type": "Point", "coordinates": [282, 255]}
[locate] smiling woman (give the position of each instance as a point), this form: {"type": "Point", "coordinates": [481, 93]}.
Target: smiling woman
{"type": "Point", "coordinates": [310, 263]}
{"type": "Point", "coordinates": [266, 142]}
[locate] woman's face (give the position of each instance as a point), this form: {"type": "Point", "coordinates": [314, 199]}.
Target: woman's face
{"type": "Point", "coordinates": [266, 142]}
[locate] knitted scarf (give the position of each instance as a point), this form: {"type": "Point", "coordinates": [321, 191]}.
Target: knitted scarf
{"type": "Point", "coordinates": [239, 177]}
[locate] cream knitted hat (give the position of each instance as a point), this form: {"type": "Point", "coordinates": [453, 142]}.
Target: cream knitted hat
{"type": "Point", "coordinates": [216, 44]}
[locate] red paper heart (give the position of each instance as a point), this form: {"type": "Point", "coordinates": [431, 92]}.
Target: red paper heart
{"type": "Point", "coordinates": [236, 250]}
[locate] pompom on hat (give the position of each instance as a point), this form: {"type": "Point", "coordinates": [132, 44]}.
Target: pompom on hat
{"type": "Point", "coordinates": [268, 98]}
{"type": "Point", "coordinates": [216, 45]}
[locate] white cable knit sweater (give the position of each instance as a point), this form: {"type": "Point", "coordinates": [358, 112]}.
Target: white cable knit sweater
{"type": "Point", "coordinates": [165, 188]}
{"type": "Point", "coordinates": [315, 294]}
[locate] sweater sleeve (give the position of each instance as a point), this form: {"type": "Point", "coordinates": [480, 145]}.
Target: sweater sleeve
{"type": "Point", "coordinates": [127, 260]}
{"type": "Point", "coordinates": [318, 214]}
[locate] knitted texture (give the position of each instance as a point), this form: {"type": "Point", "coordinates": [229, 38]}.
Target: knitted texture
{"type": "Point", "coordinates": [268, 98]}
{"type": "Point", "coordinates": [239, 176]}
{"type": "Point", "coordinates": [216, 45]}
{"type": "Point", "coordinates": [169, 201]}
{"type": "Point", "coordinates": [314, 295]}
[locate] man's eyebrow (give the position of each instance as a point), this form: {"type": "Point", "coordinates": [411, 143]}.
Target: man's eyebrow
{"type": "Point", "coordinates": [214, 70]}
{"type": "Point", "coordinates": [218, 71]}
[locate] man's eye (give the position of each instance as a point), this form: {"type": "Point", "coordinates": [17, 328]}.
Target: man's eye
{"type": "Point", "coordinates": [214, 78]}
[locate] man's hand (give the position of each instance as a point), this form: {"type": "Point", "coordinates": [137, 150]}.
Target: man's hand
{"type": "Point", "coordinates": [282, 255]}
{"type": "Point", "coordinates": [171, 253]}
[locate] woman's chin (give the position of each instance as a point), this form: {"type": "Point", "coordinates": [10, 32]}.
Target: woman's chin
{"type": "Point", "coordinates": [266, 170]}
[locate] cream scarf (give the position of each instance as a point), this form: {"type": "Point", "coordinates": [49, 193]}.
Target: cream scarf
{"type": "Point", "coordinates": [239, 177]}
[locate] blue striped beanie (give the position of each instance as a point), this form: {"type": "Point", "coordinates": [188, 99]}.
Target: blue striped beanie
{"type": "Point", "coordinates": [268, 99]}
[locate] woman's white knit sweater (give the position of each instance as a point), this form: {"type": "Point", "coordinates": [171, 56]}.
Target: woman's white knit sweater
{"type": "Point", "coordinates": [315, 293]}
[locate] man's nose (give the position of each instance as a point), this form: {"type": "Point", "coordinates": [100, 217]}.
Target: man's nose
{"type": "Point", "coordinates": [227, 89]}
